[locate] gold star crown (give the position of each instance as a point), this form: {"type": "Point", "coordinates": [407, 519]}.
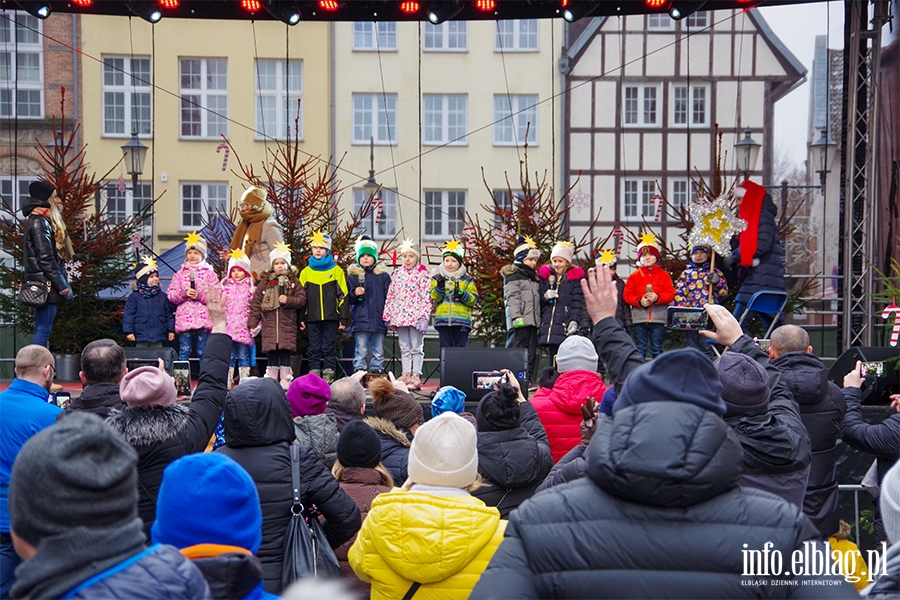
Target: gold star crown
{"type": "Point", "coordinates": [237, 254]}
{"type": "Point", "coordinates": [406, 246]}
{"type": "Point", "coordinates": [453, 246]}
{"type": "Point", "coordinates": [193, 238]}
{"type": "Point", "coordinates": [648, 238]}
{"type": "Point", "coordinates": [528, 241]}
{"type": "Point", "coordinates": [564, 243]}
{"type": "Point", "coordinates": [282, 247]}
{"type": "Point", "coordinates": [606, 257]}
{"type": "Point", "coordinates": [318, 239]}
{"type": "Point", "coordinates": [149, 262]}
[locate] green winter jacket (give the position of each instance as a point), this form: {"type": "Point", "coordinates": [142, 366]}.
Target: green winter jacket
{"type": "Point", "coordinates": [325, 293]}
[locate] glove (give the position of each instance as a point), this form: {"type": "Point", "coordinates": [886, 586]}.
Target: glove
{"type": "Point", "coordinates": [572, 328]}
{"type": "Point", "coordinates": [441, 280]}
{"type": "Point", "coordinates": [712, 278]}
{"type": "Point", "coordinates": [755, 262]}
{"type": "Point", "coordinates": [459, 294]}
{"type": "Point", "coordinates": [589, 412]}
{"type": "Point", "coordinates": [422, 325]}
{"type": "Point", "coordinates": [518, 322]}
{"type": "Point", "coordinates": [551, 295]}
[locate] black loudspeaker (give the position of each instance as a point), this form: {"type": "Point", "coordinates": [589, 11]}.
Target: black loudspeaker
{"type": "Point", "coordinates": [141, 357]}
{"type": "Point", "coordinates": [458, 364]}
{"type": "Point", "coordinates": [876, 390]}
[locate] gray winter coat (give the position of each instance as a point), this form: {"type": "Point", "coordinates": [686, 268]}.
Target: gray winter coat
{"type": "Point", "coordinates": [521, 295]}
{"type": "Point", "coordinates": [320, 433]}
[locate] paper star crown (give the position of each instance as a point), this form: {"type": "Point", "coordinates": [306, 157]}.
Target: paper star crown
{"type": "Point", "coordinates": [605, 257]}
{"type": "Point", "coordinates": [321, 240]}
{"type": "Point", "coordinates": [195, 242]}
{"type": "Point", "coordinates": [526, 249]}
{"type": "Point", "coordinates": [282, 251]}
{"type": "Point", "coordinates": [453, 248]}
{"type": "Point", "coordinates": [648, 245]}
{"type": "Point", "coordinates": [238, 260]}
{"type": "Point", "coordinates": [408, 246]}
{"type": "Point", "coordinates": [714, 225]}
{"type": "Point", "coordinates": [149, 266]}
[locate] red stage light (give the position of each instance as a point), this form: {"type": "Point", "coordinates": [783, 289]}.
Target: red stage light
{"type": "Point", "coordinates": [655, 3]}
{"type": "Point", "coordinates": [168, 3]}
{"type": "Point", "coordinates": [251, 5]}
{"type": "Point", "coordinates": [82, 3]}
{"type": "Point", "coordinates": [564, 3]}
{"type": "Point", "coordinates": [485, 5]}
{"type": "Point", "coordinates": [328, 4]}
{"type": "Point", "coordinates": [409, 7]}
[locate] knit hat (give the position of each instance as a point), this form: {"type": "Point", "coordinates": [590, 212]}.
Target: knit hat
{"type": "Point", "coordinates": [238, 260]}
{"type": "Point", "coordinates": [455, 249]}
{"type": "Point", "coordinates": [79, 472]}
{"type": "Point", "coordinates": [194, 241]}
{"type": "Point", "coordinates": [499, 410]}
{"type": "Point", "coordinates": [320, 240]}
{"type": "Point", "coordinates": [409, 246]}
{"type": "Point", "coordinates": [400, 408]}
{"type": "Point", "coordinates": [745, 384]}
{"type": "Point", "coordinates": [40, 190]}
{"type": "Point", "coordinates": [608, 401]}
{"type": "Point", "coordinates": [448, 399]}
{"type": "Point", "coordinates": [444, 453]}
{"type": "Point", "coordinates": [564, 249]}
{"type": "Point", "coordinates": [358, 446]}
{"type": "Point", "coordinates": [147, 266]}
{"type": "Point", "coordinates": [526, 249]}
{"type": "Point", "coordinates": [703, 247]}
{"type": "Point", "coordinates": [676, 376]}
{"type": "Point", "coordinates": [255, 197]}
{"type": "Point", "coordinates": [308, 395]}
{"type": "Point", "coordinates": [207, 498]}
{"type": "Point", "coordinates": [282, 251]}
{"type": "Point", "coordinates": [576, 353]}
{"type": "Point", "coordinates": [365, 245]}
{"type": "Point", "coordinates": [147, 387]}
{"type": "Point", "coordinates": [889, 499]}
{"type": "Point", "coordinates": [648, 246]}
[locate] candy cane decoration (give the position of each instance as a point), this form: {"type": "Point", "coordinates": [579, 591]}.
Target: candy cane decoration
{"type": "Point", "coordinates": [659, 204]}
{"type": "Point", "coordinates": [224, 146]}
{"type": "Point", "coordinates": [617, 233]}
{"type": "Point", "coordinates": [377, 205]}
{"type": "Point", "coordinates": [895, 332]}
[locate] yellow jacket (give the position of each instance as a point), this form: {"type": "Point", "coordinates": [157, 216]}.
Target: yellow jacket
{"type": "Point", "coordinates": [442, 542]}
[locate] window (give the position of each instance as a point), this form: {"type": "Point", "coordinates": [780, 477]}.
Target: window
{"type": "Point", "coordinates": [445, 214]}
{"type": "Point", "coordinates": [514, 116]}
{"type": "Point", "coordinates": [126, 83]}
{"type": "Point", "coordinates": [200, 201]}
{"type": "Point", "coordinates": [449, 36]}
{"type": "Point", "coordinates": [698, 20]}
{"type": "Point", "coordinates": [121, 205]}
{"type": "Point", "coordinates": [446, 119]}
{"type": "Point", "coordinates": [204, 97]}
{"type": "Point", "coordinates": [279, 89]}
{"type": "Point", "coordinates": [689, 105]}
{"type": "Point", "coordinates": [375, 115]}
{"type": "Point", "coordinates": [640, 105]}
{"type": "Point", "coordinates": [679, 196]}
{"type": "Point", "coordinates": [660, 22]}
{"type": "Point", "coordinates": [516, 35]}
{"type": "Point", "coordinates": [375, 36]}
{"type": "Point", "coordinates": [12, 202]}
{"type": "Point", "coordinates": [387, 224]}
{"type": "Point", "coordinates": [21, 66]}
{"type": "Point", "coordinates": [506, 202]}
{"type": "Point", "coordinates": [637, 199]}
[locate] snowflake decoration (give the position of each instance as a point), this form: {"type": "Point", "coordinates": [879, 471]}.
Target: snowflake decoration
{"type": "Point", "coordinates": [714, 225]}
{"type": "Point", "coordinates": [580, 200]}
{"type": "Point", "coordinates": [73, 270]}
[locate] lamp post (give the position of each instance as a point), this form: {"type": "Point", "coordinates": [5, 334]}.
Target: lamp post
{"type": "Point", "coordinates": [826, 149]}
{"type": "Point", "coordinates": [135, 154]}
{"type": "Point", "coordinates": [371, 186]}
{"type": "Point", "coordinates": [747, 151]}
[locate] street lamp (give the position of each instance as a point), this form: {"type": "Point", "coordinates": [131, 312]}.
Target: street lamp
{"type": "Point", "coordinates": [747, 151]}
{"type": "Point", "coordinates": [826, 149]}
{"type": "Point", "coordinates": [135, 153]}
{"type": "Point", "coordinates": [371, 186]}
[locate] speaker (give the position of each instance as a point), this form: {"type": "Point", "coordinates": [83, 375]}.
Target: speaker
{"type": "Point", "coordinates": [141, 357]}
{"type": "Point", "coordinates": [458, 364]}
{"type": "Point", "coordinates": [875, 390]}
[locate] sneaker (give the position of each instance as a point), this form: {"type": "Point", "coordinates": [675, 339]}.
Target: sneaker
{"type": "Point", "coordinates": [376, 371]}
{"type": "Point", "coordinates": [328, 375]}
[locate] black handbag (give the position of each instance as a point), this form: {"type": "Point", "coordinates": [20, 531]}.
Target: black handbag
{"type": "Point", "coordinates": [306, 549]}
{"type": "Point", "coordinates": [34, 291]}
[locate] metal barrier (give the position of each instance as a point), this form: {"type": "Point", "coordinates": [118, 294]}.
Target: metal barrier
{"type": "Point", "coordinates": [856, 489]}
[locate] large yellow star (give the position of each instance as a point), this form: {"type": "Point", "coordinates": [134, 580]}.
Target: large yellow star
{"type": "Point", "coordinates": [237, 254]}
{"type": "Point", "coordinates": [282, 247]}
{"type": "Point", "coordinates": [193, 238]}
{"type": "Point", "coordinates": [606, 257]}
{"type": "Point", "coordinates": [529, 242]}
{"type": "Point", "coordinates": [453, 246]}
{"type": "Point", "coordinates": [318, 239]}
{"type": "Point", "coordinates": [648, 238]}
{"type": "Point", "coordinates": [714, 224]}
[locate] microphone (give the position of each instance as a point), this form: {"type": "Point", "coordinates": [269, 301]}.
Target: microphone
{"type": "Point", "coordinates": [193, 280]}
{"type": "Point", "coordinates": [552, 280]}
{"type": "Point", "coordinates": [362, 278]}
{"type": "Point", "coordinates": [649, 288]}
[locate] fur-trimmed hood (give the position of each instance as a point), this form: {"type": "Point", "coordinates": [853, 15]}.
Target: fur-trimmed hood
{"type": "Point", "coordinates": [148, 427]}
{"type": "Point", "coordinates": [572, 273]}
{"type": "Point", "coordinates": [387, 428]}
{"type": "Point", "coordinates": [508, 270]}
{"type": "Point", "coordinates": [358, 270]}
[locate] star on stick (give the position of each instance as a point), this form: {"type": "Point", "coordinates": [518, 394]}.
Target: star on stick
{"type": "Point", "coordinates": [714, 224]}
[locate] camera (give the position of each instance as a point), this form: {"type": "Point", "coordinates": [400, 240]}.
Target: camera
{"type": "Point", "coordinates": [872, 369]}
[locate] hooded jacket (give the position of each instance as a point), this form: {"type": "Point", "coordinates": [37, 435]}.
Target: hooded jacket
{"type": "Point", "coordinates": [454, 299]}
{"type": "Point", "coordinates": [258, 434]}
{"type": "Point", "coordinates": [513, 462]}
{"type": "Point", "coordinates": [320, 433]}
{"type": "Point", "coordinates": [363, 485]}
{"type": "Point", "coordinates": [279, 326]}
{"type": "Point", "coordinates": [692, 289]}
{"type": "Point", "coordinates": [635, 288]}
{"type": "Point", "coordinates": [366, 311]}
{"type": "Point", "coordinates": [190, 313]}
{"type": "Point", "coordinates": [394, 448]}
{"type": "Point", "coordinates": [441, 542]}
{"type": "Point", "coordinates": [237, 296]}
{"type": "Point", "coordinates": [769, 273]}
{"type": "Point", "coordinates": [559, 408]}
{"type": "Point", "coordinates": [822, 408]}
{"type": "Point", "coordinates": [409, 296]}
{"type": "Point", "coordinates": [521, 295]}
{"type": "Point", "coordinates": [567, 308]}
{"type": "Point", "coordinates": [149, 319]}
{"type": "Point", "coordinates": [230, 572]}
{"type": "Point", "coordinates": [326, 292]}
{"type": "Point", "coordinates": [162, 434]}
{"type": "Point", "coordinates": [40, 255]}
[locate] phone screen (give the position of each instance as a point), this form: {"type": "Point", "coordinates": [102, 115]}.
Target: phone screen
{"type": "Point", "coordinates": [486, 380]}
{"type": "Point", "coordinates": [182, 372]}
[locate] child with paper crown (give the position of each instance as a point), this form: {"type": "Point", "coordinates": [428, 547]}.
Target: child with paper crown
{"type": "Point", "coordinates": [326, 310]}
{"type": "Point", "coordinates": [187, 291]}
{"type": "Point", "coordinates": [562, 301]}
{"type": "Point", "coordinates": [407, 309]}
{"type": "Point", "coordinates": [368, 283]}
{"type": "Point", "coordinates": [649, 291]}
{"type": "Point", "coordinates": [278, 298]}
{"type": "Point", "coordinates": [237, 292]}
{"type": "Point", "coordinates": [149, 318]}
{"type": "Point", "coordinates": [454, 296]}
{"type": "Point", "coordinates": [522, 300]}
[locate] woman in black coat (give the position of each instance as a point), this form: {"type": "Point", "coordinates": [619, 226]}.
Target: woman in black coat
{"type": "Point", "coordinates": [258, 434]}
{"type": "Point", "coordinates": [46, 248]}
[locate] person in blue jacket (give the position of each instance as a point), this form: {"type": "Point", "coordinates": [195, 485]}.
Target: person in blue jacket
{"type": "Point", "coordinates": [149, 318]}
{"type": "Point", "coordinates": [367, 284]}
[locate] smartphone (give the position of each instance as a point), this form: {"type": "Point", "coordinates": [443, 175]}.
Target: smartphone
{"type": "Point", "coordinates": [764, 344]}
{"type": "Point", "coordinates": [370, 376]}
{"type": "Point", "coordinates": [62, 399]}
{"type": "Point", "coordinates": [872, 369]}
{"type": "Point", "coordinates": [486, 380]}
{"type": "Point", "coordinates": [686, 318]}
{"type": "Point", "coordinates": [137, 363]}
{"type": "Point", "coordinates": [182, 373]}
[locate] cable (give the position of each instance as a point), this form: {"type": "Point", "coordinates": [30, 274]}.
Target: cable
{"type": "Point", "coordinates": [388, 120]}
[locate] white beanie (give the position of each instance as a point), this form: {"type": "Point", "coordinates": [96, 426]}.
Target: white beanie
{"type": "Point", "coordinates": [563, 249]}
{"type": "Point", "coordinates": [282, 251]}
{"type": "Point", "coordinates": [889, 499]}
{"type": "Point", "coordinates": [444, 452]}
{"type": "Point", "coordinates": [240, 260]}
{"type": "Point", "coordinates": [576, 353]}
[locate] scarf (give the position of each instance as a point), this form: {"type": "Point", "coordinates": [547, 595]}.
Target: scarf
{"type": "Point", "coordinates": [455, 275]}
{"type": "Point", "coordinates": [751, 207]}
{"type": "Point", "coordinates": [275, 286]}
{"type": "Point", "coordinates": [63, 561]}
{"type": "Point", "coordinates": [60, 233]}
{"type": "Point", "coordinates": [251, 226]}
{"type": "Point", "coordinates": [529, 272]}
{"type": "Point", "coordinates": [147, 291]}
{"type": "Point", "coordinates": [326, 263]}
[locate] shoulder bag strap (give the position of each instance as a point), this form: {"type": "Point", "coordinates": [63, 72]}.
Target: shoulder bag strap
{"type": "Point", "coordinates": [295, 479]}
{"type": "Point", "coordinates": [412, 590]}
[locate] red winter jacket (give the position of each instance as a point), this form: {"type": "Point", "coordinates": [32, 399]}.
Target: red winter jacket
{"type": "Point", "coordinates": [559, 408]}
{"type": "Point", "coordinates": [636, 287]}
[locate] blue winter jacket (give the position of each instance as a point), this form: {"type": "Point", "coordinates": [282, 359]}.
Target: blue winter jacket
{"type": "Point", "coordinates": [368, 309]}
{"type": "Point", "coordinates": [149, 319]}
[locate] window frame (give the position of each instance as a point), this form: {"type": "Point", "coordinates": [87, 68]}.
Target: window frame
{"type": "Point", "coordinates": [204, 93]}
{"type": "Point", "coordinates": [641, 101]}
{"type": "Point", "coordinates": [446, 138]}
{"type": "Point", "coordinates": [692, 90]}
{"type": "Point", "coordinates": [519, 107]}
{"type": "Point", "coordinates": [285, 101]}
{"type": "Point", "coordinates": [374, 113]}
{"type": "Point", "coordinates": [690, 194]}
{"type": "Point", "coordinates": [15, 49]}
{"type": "Point", "coordinates": [517, 36]}
{"type": "Point", "coordinates": [5, 195]}
{"type": "Point", "coordinates": [129, 87]}
{"type": "Point", "coordinates": [375, 34]}
{"type": "Point", "coordinates": [387, 228]}
{"type": "Point", "coordinates": [204, 202]}
{"type": "Point", "coordinates": [443, 29]}
{"type": "Point", "coordinates": [694, 17]}
{"type": "Point", "coordinates": [645, 189]}
{"type": "Point", "coordinates": [448, 227]}
{"type": "Point", "coordinates": [663, 22]}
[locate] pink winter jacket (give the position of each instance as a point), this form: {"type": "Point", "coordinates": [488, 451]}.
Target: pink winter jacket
{"type": "Point", "coordinates": [191, 314]}
{"type": "Point", "coordinates": [408, 297]}
{"type": "Point", "coordinates": [238, 295]}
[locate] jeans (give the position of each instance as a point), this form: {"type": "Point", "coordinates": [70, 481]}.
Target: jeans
{"type": "Point", "coordinates": [322, 339]}
{"type": "Point", "coordinates": [186, 341]}
{"type": "Point", "coordinates": [651, 333]}
{"type": "Point", "coordinates": [412, 354]}
{"type": "Point", "coordinates": [525, 337]}
{"type": "Point", "coordinates": [366, 340]}
{"type": "Point", "coordinates": [43, 323]}
{"type": "Point", "coordinates": [9, 560]}
{"type": "Point", "coordinates": [453, 336]}
{"type": "Point", "coordinates": [240, 355]}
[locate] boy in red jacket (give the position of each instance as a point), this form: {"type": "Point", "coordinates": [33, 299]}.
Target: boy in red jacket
{"type": "Point", "coordinates": [649, 291]}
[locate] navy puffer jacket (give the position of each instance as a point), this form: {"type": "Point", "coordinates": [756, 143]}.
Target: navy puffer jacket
{"type": "Point", "coordinates": [769, 273]}
{"type": "Point", "coordinates": [367, 310]}
{"type": "Point", "coordinates": [149, 319]}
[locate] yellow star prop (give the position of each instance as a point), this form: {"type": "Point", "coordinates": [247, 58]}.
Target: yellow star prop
{"type": "Point", "coordinates": [237, 254]}
{"type": "Point", "coordinates": [282, 247]}
{"type": "Point", "coordinates": [529, 242]}
{"type": "Point", "coordinates": [606, 257]}
{"type": "Point", "coordinates": [318, 239]}
{"type": "Point", "coordinates": [406, 246]}
{"type": "Point", "coordinates": [193, 238]}
{"type": "Point", "coordinates": [149, 262]}
{"type": "Point", "coordinates": [648, 238]}
{"type": "Point", "coordinates": [452, 246]}
{"type": "Point", "coordinates": [714, 224]}
{"type": "Point", "coordinates": [564, 243]}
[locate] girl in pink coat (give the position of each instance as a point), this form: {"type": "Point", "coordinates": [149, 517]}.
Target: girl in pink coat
{"type": "Point", "coordinates": [237, 291]}
{"type": "Point", "coordinates": [407, 310]}
{"type": "Point", "coordinates": [187, 291]}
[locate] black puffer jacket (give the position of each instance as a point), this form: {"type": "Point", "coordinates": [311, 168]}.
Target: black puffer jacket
{"type": "Point", "coordinates": [40, 251]}
{"type": "Point", "coordinates": [98, 398]}
{"type": "Point", "coordinates": [880, 439]}
{"type": "Point", "coordinates": [258, 433]}
{"type": "Point", "coordinates": [231, 575]}
{"type": "Point", "coordinates": [569, 306]}
{"type": "Point", "coordinates": [822, 407]}
{"type": "Point", "coordinates": [165, 433]}
{"type": "Point", "coordinates": [769, 273]}
{"type": "Point", "coordinates": [394, 448]}
{"type": "Point", "coordinates": [513, 462]}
